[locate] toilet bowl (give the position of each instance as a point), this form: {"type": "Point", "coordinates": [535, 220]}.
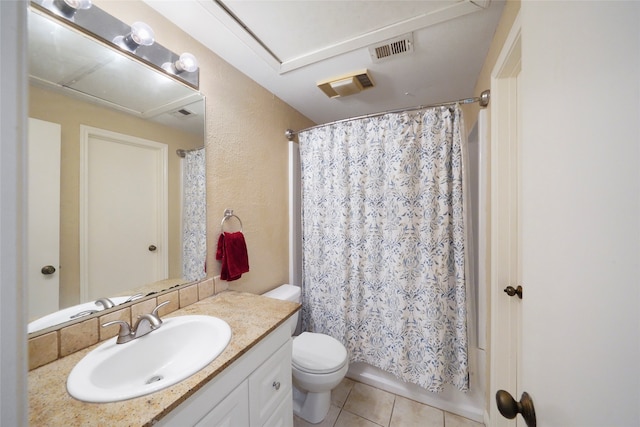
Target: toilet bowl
{"type": "Point", "coordinates": [319, 363]}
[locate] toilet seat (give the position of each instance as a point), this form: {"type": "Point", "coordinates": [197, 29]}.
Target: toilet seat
{"type": "Point", "coordinates": [318, 353]}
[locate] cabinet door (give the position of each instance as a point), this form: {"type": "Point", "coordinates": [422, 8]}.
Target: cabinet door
{"type": "Point", "coordinates": [270, 384]}
{"type": "Point", "coordinates": [283, 416]}
{"type": "Point", "coordinates": [232, 411]}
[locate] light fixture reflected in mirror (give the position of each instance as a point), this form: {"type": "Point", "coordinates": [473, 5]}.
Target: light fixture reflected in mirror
{"type": "Point", "coordinates": [187, 62]}
{"type": "Point", "coordinates": [137, 39]}
{"type": "Point", "coordinates": [141, 35]}
{"type": "Point", "coordinates": [68, 8]}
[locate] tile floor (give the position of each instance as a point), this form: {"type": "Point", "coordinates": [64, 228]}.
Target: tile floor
{"type": "Point", "coordinates": [354, 404]}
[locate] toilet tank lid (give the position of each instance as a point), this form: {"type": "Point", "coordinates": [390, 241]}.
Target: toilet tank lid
{"type": "Point", "coordinates": [285, 293]}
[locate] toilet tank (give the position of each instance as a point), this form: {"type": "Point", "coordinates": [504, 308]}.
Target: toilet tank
{"type": "Point", "coordinates": [287, 293]}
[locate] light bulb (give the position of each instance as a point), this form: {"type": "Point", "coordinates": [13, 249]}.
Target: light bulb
{"type": "Point", "coordinates": [187, 62]}
{"type": "Point", "coordinates": [68, 8]}
{"type": "Point", "coordinates": [141, 35]}
{"type": "Point", "coordinates": [78, 4]}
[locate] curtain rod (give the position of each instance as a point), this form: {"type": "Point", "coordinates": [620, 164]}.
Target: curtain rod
{"type": "Point", "coordinates": [181, 153]}
{"type": "Point", "coordinates": [483, 99]}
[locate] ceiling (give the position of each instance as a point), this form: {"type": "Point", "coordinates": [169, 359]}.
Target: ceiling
{"type": "Point", "coordinates": [289, 46]}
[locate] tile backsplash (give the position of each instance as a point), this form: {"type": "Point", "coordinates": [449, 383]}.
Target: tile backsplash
{"type": "Point", "coordinates": [51, 346]}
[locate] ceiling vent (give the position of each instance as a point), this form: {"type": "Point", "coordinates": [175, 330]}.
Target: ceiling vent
{"type": "Point", "coordinates": [348, 84]}
{"type": "Point", "coordinates": [182, 113]}
{"type": "Point", "coordinates": [402, 45]}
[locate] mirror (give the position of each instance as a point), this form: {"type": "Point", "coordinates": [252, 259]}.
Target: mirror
{"type": "Point", "coordinates": [84, 86]}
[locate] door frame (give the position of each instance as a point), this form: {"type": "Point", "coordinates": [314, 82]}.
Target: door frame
{"type": "Point", "coordinates": [162, 208]}
{"type": "Point", "coordinates": [504, 249]}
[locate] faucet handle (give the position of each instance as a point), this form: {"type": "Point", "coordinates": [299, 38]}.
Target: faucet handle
{"type": "Point", "coordinates": [155, 310]}
{"type": "Point", "coordinates": [132, 297]}
{"type": "Point", "coordinates": [124, 334]}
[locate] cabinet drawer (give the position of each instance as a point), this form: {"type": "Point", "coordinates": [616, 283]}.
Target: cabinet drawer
{"type": "Point", "coordinates": [269, 385]}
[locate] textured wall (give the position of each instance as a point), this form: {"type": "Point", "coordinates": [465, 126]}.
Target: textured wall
{"type": "Point", "coordinates": [246, 152]}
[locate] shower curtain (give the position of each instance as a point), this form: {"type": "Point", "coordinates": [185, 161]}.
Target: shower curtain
{"type": "Point", "coordinates": [384, 242]}
{"type": "Point", "coordinates": [194, 221]}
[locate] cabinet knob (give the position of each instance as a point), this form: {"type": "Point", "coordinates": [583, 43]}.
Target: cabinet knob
{"type": "Point", "coordinates": [276, 385]}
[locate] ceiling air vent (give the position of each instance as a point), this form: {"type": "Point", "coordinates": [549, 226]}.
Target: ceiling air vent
{"type": "Point", "coordinates": [183, 112]}
{"type": "Point", "coordinates": [402, 45]}
{"type": "Point", "coordinates": [347, 84]}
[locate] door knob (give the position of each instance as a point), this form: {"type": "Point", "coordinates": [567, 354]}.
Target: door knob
{"type": "Point", "coordinates": [48, 269]}
{"type": "Point", "coordinates": [509, 408]}
{"type": "Point", "coordinates": [152, 248]}
{"type": "Point", "coordinates": [511, 291]}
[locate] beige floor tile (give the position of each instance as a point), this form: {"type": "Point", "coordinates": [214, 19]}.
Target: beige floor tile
{"type": "Point", "coordinates": [409, 413]}
{"type": "Point", "coordinates": [452, 420]}
{"type": "Point", "coordinates": [347, 419]}
{"type": "Point", "coordinates": [340, 393]}
{"type": "Point", "coordinates": [370, 403]}
{"type": "Point", "coordinates": [329, 420]}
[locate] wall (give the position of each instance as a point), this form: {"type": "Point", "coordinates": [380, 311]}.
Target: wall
{"type": "Point", "coordinates": [70, 114]}
{"type": "Point", "coordinates": [509, 14]}
{"type": "Point", "coordinates": [246, 153]}
{"type": "Point", "coordinates": [13, 113]}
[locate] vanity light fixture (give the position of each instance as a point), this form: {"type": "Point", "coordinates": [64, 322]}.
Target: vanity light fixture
{"type": "Point", "coordinates": [68, 8]}
{"type": "Point", "coordinates": [187, 62]}
{"type": "Point", "coordinates": [141, 35]}
{"type": "Point", "coordinates": [137, 40]}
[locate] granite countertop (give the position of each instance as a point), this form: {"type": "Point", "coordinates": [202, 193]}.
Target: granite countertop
{"type": "Point", "coordinates": [251, 317]}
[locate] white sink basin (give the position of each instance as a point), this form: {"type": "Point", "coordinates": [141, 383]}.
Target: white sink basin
{"type": "Point", "coordinates": [178, 349]}
{"type": "Point", "coordinates": [67, 314]}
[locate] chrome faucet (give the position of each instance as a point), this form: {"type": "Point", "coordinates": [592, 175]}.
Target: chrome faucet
{"type": "Point", "coordinates": [106, 303]}
{"type": "Point", "coordinates": [146, 323]}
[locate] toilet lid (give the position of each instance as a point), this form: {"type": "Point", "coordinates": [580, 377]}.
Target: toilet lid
{"type": "Point", "coordinates": [318, 353]}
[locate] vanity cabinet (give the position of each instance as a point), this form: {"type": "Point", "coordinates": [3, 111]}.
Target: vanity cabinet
{"type": "Point", "coordinates": [254, 391]}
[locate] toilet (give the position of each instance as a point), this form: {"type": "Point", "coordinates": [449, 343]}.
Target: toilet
{"type": "Point", "coordinates": [319, 363]}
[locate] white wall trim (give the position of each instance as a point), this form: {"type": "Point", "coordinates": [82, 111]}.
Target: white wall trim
{"type": "Point", "coordinates": [503, 354]}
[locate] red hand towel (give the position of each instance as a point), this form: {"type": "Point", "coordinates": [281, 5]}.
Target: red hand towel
{"type": "Point", "coordinates": [232, 252]}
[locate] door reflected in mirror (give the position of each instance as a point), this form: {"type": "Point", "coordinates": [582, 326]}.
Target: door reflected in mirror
{"type": "Point", "coordinates": [66, 96]}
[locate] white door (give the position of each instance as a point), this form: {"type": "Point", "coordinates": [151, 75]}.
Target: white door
{"type": "Point", "coordinates": [43, 217]}
{"type": "Point", "coordinates": [123, 213]}
{"type": "Point", "coordinates": [579, 227]}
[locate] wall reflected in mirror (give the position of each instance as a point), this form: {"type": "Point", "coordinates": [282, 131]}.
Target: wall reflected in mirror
{"type": "Point", "coordinates": [102, 107]}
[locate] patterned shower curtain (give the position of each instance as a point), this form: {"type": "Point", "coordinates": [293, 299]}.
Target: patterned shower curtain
{"type": "Point", "coordinates": [194, 216]}
{"type": "Point", "coordinates": [384, 242]}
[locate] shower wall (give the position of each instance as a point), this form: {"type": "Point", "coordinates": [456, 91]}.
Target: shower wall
{"type": "Point", "coordinates": [470, 404]}
{"type": "Point", "coordinates": [295, 216]}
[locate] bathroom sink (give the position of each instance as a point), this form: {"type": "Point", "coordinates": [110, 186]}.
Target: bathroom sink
{"type": "Point", "coordinates": [69, 313]}
{"type": "Point", "coordinates": [178, 349]}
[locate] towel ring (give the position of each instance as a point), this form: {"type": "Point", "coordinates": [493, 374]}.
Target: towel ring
{"type": "Point", "coordinates": [228, 214]}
